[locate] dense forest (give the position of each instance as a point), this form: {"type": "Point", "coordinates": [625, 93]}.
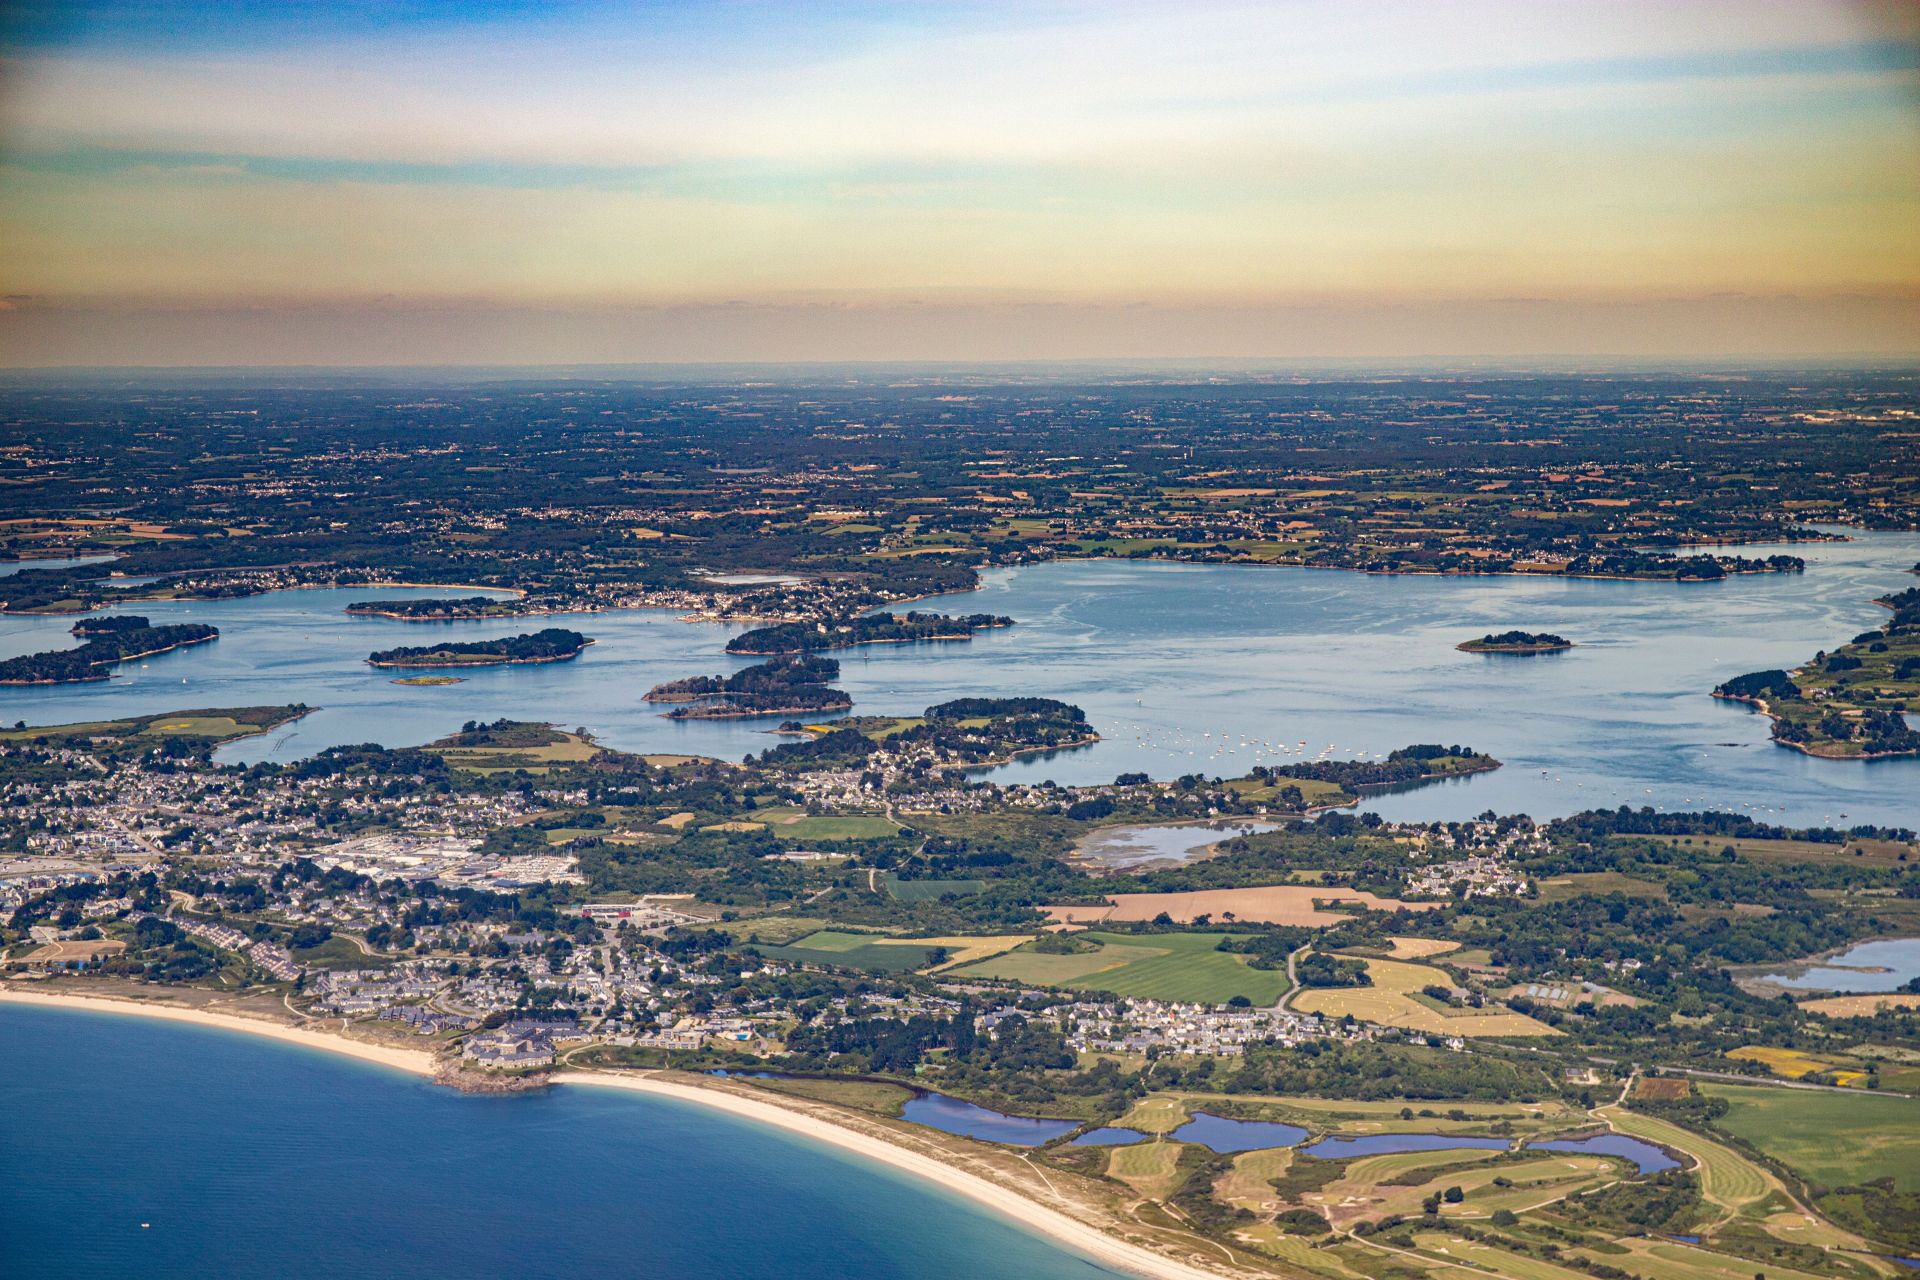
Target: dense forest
{"type": "Point", "coordinates": [108, 640]}
{"type": "Point", "coordinates": [550, 645]}
{"type": "Point", "coordinates": [777, 686]}
{"type": "Point", "coordinates": [874, 628]}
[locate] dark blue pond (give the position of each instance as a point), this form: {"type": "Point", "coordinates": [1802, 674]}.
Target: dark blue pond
{"type": "Point", "coordinates": [1650, 1158]}
{"type": "Point", "coordinates": [1217, 1133]}
{"type": "Point", "coordinates": [1385, 1144]}
{"type": "Point", "coordinates": [950, 1115]}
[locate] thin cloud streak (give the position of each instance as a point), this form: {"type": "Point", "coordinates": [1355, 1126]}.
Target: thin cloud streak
{"type": "Point", "coordinates": [1231, 156]}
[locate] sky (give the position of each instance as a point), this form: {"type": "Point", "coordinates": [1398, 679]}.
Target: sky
{"type": "Point", "coordinates": [417, 181]}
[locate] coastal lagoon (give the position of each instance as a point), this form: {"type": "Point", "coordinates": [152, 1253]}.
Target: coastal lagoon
{"type": "Point", "coordinates": [1884, 964]}
{"type": "Point", "coordinates": [253, 1158]}
{"type": "Point", "coordinates": [1181, 668]}
{"type": "Point", "coordinates": [10, 567]}
{"type": "Point", "coordinates": [1132, 846]}
{"type": "Point", "coordinates": [951, 1115]}
{"type": "Point", "coordinates": [1645, 1156]}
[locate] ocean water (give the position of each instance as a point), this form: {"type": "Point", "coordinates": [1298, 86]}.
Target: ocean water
{"type": "Point", "coordinates": [253, 1159]}
{"type": "Point", "coordinates": [1182, 668]}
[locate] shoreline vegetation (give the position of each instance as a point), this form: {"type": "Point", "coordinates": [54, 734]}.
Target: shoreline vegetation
{"type": "Point", "coordinates": [438, 610]}
{"type": "Point", "coordinates": [105, 642]}
{"type": "Point", "coordinates": [796, 685]}
{"type": "Point", "coordinates": [1516, 642]}
{"type": "Point", "coordinates": [814, 1122]}
{"type": "Point", "coordinates": [555, 644]}
{"type": "Point", "coordinates": [1852, 703]}
{"type": "Point", "coordinates": [968, 733]}
{"type": "Point", "coordinates": [869, 628]}
{"type": "Point", "coordinates": [213, 724]}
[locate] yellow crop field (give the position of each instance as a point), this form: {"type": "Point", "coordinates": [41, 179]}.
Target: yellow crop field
{"type": "Point", "coordinates": [1292, 904]}
{"type": "Point", "coordinates": [1861, 1006]}
{"type": "Point", "coordinates": [965, 950]}
{"type": "Point", "coordinates": [1420, 948]}
{"type": "Point", "coordinates": [1389, 1002]}
{"type": "Point", "coordinates": [1792, 1064]}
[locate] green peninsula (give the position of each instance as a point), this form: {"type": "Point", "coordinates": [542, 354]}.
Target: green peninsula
{"type": "Point", "coordinates": [107, 641]}
{"type": "Point", "coordinates": [437, 610]}
{"type": "Point", "coordinates": [866, 628]}
{"type": "Point", "coordinates": [1850, 704]}
{"type": "Point", "coordinates": [779, 686]}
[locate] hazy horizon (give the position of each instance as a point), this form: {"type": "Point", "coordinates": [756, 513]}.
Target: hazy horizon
{"type": "Point", "coordinates": [209, 182]}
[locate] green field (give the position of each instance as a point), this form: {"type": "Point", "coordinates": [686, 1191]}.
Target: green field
{"type": "Point", "coordinates": [862, 1095]}
{"type": "Point", "coordinates": [220, 723]}
{"type": "Point", "coordinates": [853, 951]}
{"type": "Point", "coordinates": [1598, 883]}
{"type": "Point", "coordinates": [1170, 966]}
{"type": "Point", "coordinates": [929, 890]}
{"type": "Point", "coordinates": [852, 826]}
{"type": "Point", "coordinates": [337, 952]}
{"type": "Point", "coordinates": [1829, 1138]}
{"type": "Point", "coordinates": [1312, 790]}
{"type": "Point", "coordinates": [1727, 1178]}
{"type": "Point", "coordinates": [797, 825]}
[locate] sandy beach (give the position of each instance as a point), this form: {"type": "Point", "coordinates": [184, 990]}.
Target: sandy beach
{"type": "Point", "coordinates": [417, 1061]}
{"type": "Point", "coordinates": [1091, 1241]}
{"type": "Point", "coordinates": [1097, 1244]}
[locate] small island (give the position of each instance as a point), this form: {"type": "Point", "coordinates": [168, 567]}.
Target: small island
{"type": "Point", "coordinates": [965, 733]}
{"type": "Point", "coordinates": [108, 641]}
{"type": "Point", "coordinates": [466, 607]}
{"type": "Point", "coordinates": [1516, 642]}
{"type": "Point", "coordinates": [554, 644]}
{"type": "Point", "coordinates": [781, 686]}
{"type": "Point", "coordinates": [430, 681]}
{"type": "Point", "coordinates": [866, 628]}
{"type": "Point", "coordinates": [1407, 766]}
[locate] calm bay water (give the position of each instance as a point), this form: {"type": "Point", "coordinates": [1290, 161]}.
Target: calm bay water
{"type": "Point", "coordinates": [256, 1159]}
{"type": "Point", "coordinates": [1207, 669]}
{"type": "Point", "coordinates": [1131, 846]}
{"type": "Point", "coordinates": [1884, 964]}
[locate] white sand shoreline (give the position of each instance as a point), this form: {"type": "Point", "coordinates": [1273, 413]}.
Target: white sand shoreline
{"type": "Point", "coordinates": [1083, 1238]}
{"type": "Point", "coordinates": [1089, 1240]}
{"type": "Point", "coordinates": [414, 1061]}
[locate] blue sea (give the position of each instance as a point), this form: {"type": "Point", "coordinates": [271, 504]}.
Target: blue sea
{"type": "Point", "coordinates": [247, 1158]}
